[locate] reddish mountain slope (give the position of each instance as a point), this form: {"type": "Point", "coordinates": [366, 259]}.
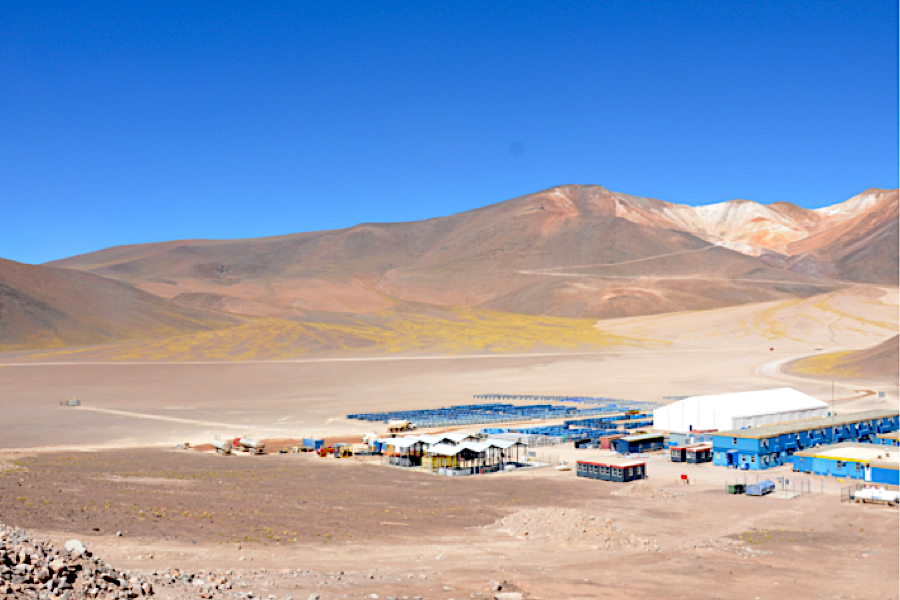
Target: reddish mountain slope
{"type": "Point", "coordinates": [570, 251]}
{"type": "Point", "coordinates": [43, 307]}
{"type": "Point", "coordinates": [862, 243]}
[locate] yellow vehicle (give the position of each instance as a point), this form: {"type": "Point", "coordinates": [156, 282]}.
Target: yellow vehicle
{"type": "Point", "coordinates": [343, 450]}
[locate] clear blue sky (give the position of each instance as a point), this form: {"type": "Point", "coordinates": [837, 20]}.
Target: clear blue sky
{"type": "Point", "coordinates": [128, 122]}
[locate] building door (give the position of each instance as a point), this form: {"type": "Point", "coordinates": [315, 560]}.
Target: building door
{"type": "Point", "coordinates": [868, 473]}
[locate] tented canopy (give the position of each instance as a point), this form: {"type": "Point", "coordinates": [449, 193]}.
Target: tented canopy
{"type": "Point", "coordinates": [400, 443]}
{"type": "Point", "coordinates": [738, 410]}
{"type": "Point", "coordinates": [445, 450]}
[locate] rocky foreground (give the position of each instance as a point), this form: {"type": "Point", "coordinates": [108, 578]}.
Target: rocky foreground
{"type": "Point", "coordinates": [36, 568]}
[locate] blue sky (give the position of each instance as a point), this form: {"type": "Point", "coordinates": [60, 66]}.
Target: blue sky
{"type": "Point", "coordinates": [132, 122]}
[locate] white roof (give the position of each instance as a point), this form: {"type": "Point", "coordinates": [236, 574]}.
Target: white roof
{"type": "Point", "coordinates": [445, 450]}
{"type": "Point", "coordinates": [483, 446]}
{"type": "Point", "coordinates": [855, 452]}
{"type": "Point", "coordinates": [430, 439]}
{"type": "Point", "coordinates": [502, 444]}
{"type": "Point", "coordinates": [457, 437]}
{"type": "Point", "coordinates": [403, 442]}
{"type": "Point", "coordinates": [738, 410]}
{"type": "Point", "coordinates": [476, 446]}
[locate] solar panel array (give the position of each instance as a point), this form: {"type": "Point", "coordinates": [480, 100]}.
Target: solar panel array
{"type": "Point", "coordinates": [505, 412]}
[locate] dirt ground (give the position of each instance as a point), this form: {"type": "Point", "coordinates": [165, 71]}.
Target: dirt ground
{"type": "Point", "coordinates": [360, 528]}
{"type": "Point", "coordinates": [309, 525]}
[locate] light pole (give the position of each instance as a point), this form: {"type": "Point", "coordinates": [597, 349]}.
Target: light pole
{"type": "Point", "coordinates": [832, 411]}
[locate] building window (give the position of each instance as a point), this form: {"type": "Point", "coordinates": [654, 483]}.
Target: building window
{"type": "Point", "coordinates": [839, 464]}
{"type": "Point", "coordinates": [734, 441]}
{"type": "Point", "coordinates": [857, 466]}
{"type": "Point", "coordinates": [753, 459]}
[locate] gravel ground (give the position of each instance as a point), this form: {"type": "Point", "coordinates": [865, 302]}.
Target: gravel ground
{"type": "Point", "coordinates": [299, 526]}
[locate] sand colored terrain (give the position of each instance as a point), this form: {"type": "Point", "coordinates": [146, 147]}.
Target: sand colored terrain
{"type": "Point", "coordinates": [853, 317]}
{"type": "Point", "coordinates": [181, 396]}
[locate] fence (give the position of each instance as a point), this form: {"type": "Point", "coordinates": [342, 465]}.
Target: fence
{"type": "Point", "coordinates": [532, 441]}
{"type": "Point", "coordinates": [532, 460]}
{"type": "Point", "coordinates": [784, 487]}
{"type": "Point", "coordinates": [848, 494]}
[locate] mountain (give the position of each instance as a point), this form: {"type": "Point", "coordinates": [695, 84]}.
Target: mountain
{"type": "Point", "coordinates": [856, 240]}
{"type": "Point", "coordinates": [574, 251]}
{"type": "Point", "coordinates": [45, 307]}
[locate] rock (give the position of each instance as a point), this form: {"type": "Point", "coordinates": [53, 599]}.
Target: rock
{"type": "Point", "coordinates": [76, 548]}
{"type": "Point", "coordinates": [495, 586]}
{"type": "Point", "coordinates": [508, 596]}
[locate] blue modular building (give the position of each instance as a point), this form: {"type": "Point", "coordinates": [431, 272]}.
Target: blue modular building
{"type": "Point", "coordinates": [773, 445]}
{"type": "Point", "coordinates": [888, 439]}
{"type": "Point", "coordinates": [869, 462]}
{"type": "Point", "coordinates": [639, 443]}
{"type": "Point", "coordinates": [677, 438]}
{"type": "Point", "coordinates": [612, 469]}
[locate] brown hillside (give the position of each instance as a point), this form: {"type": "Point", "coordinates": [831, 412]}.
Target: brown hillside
{"type": "Point", "coordinates": [45, 307]}
{"type": "Point", "coordinates": [861, 246]}
{"type": "Point", "coordinates": [568, 251]}
{"type": "Point", "coordinates": [877, 362]}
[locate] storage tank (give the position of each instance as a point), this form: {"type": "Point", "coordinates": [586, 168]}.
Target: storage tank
{"type": "Point", "coordinates": [222, 446]}
{"type": "Point", "coordinates": [255, 446]}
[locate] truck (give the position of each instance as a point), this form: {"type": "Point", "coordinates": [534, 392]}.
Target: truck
{"type": "Point", "coordinates": [395, 425]}
{"type": "Point", "coordinates": [246, 444]}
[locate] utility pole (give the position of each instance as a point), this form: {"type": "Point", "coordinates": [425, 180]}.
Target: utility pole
{"type": "Point", "coordinates": [832, 411]}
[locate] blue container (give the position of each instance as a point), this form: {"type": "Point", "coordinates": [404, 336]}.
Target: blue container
{"type": "Point", "coordinates": [313, 443]}
{"type": "Point", "coordinates": [760, 489]}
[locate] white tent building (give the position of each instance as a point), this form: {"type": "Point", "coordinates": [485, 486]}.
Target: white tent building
{"type": "Point", "coordinates": [738, 410]}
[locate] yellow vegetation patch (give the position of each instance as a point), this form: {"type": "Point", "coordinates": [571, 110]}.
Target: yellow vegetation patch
{"type": "Point", "coordinates": [823, 364]}
{"type": "Point", "coordinates": [768, 323]}
{"type": "Point", "coordinates": [457, 330]}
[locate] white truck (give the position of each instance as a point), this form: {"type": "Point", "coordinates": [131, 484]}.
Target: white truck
{"type": "Point", "coordinates": [395, 425]}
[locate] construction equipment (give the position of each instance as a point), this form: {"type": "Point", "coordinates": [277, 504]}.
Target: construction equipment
{"type": "Point", "coordinates": [343, 450]}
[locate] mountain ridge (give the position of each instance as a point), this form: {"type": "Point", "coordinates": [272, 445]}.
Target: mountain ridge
{"type": "Point", "coordinates": [510, 255]}
{"type": "Point", "coordinates": [569, 251]}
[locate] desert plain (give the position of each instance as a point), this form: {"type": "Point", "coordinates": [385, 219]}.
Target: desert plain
{"type": "Point", "coordinates": [300, 525]}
